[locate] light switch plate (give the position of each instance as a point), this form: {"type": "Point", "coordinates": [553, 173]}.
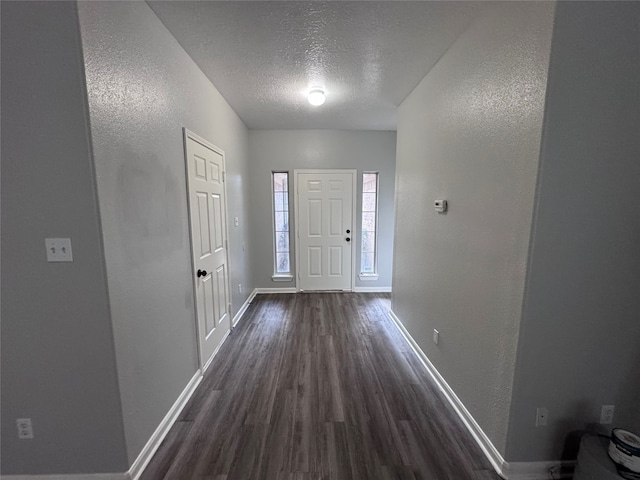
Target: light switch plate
{"type": "Point", "coordinates": [58, 249]}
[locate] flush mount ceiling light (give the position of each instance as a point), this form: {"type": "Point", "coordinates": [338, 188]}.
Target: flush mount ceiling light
{"type": "Point", "coordinates": [316, 96]}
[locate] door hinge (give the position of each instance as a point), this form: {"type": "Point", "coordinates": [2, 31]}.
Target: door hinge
{"type": "Point", "coordinates": [224, 176]}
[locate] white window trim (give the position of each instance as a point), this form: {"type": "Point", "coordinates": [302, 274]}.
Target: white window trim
{"type": "Point", "coordinates": [280, 276]}
{"type": "Point", "coordinates": [368, 276]}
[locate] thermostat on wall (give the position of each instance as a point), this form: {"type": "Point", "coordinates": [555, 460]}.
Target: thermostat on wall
{"type": "Point", "coordinates": [440, 206]}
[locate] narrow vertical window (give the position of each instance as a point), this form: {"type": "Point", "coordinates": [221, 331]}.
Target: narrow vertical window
{"type": "Point", "coordinates": [282, 257]}
{"type": "Point", "coordinates": [368, 263]}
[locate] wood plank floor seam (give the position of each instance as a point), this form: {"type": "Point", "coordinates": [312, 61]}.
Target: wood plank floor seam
{"type": "Point", "coordinates": [317, 386]}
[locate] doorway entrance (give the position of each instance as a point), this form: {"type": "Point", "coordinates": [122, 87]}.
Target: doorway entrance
{"type": "Point", "coordinates": [208, 225]}
{"type": "Point", "coordinates": [325, 227]}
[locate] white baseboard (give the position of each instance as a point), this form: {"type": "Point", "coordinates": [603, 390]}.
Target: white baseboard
{"type": "Point", "coordinates": [478, 435]}
{"type": "Point", "coordinates": [215, 352]}
{"type": "Point", "coordinates": [295, 290]}
{"type": "Point", "coordinates": [244, 307]}
{"type": "Point", "coordinates": [165, 425]}
{"type": "Point", "coordinates": [154, 442]}
{"type": "Point", "coordinates": [70, 476]}
{"type": "Point", "coordinates": [514, 471]}
{"type": "Point", "coordinates": [372, 289]}
{"type": "Point", "coordinates": [167, 422]}
{"type": "Point", "coordinates": [537, 470]}
{"type": "Point", "coordinates": [510, 471]}
{"type": "Point", "coordinates": [145, 455]}
{"type": "Point", "coordinates": [276, 290]}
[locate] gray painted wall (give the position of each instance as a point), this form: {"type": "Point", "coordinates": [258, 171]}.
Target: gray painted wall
{"type": "Point", "coordinates": [579, 343]}
{"type": "Point", "coordinates": [470, 133]}
{"type": "Point", "coordinates": [287, 150]}
{"type": "Point", "coordinates": [58, 358]}
{"type": "Point", "coordinates": [143, 89]}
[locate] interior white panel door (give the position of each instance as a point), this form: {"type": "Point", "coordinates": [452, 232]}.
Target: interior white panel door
{"type": "Point", "coordinates": [324, 206]}
{"type": "Point", "coordinates": [208, 222]}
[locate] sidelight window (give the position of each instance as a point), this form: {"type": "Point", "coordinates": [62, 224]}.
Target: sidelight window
{"type": "Point", "coordinates": [368, 255]}
{"type": "Point", "coordinates": [282, 254]}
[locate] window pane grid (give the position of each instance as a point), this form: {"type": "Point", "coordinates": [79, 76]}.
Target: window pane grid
{"type": "Point", "coordinates": [281, 222]}
{"type": "Point", "coordinates": [369, 223]}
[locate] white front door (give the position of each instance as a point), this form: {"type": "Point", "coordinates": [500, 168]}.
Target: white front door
{"type": "Point", "coordinates": [325, 226]}
{"type": "Point", "coordinates": [208, 221]}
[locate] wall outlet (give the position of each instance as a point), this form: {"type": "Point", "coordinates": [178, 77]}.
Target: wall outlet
{"type": "Point", "coordinates": [606, 414]}
{"type": "Point", "coordinates": [440, 206]}
{"type": "Point", "coordinates": [239, 288]}
{"type": "Point", "coordinates": [236, 221]}
{"type": "Point", "coordinates": [58, 249]}
{"type": "Point", "coordinates": [541, 417]}
{"type": "Point", "coordinates": [436, 336]}
{"type": "Point", "coordinates": [25, 429]}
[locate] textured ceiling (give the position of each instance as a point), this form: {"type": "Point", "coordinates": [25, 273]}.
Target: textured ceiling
{"type": "Point", "coordinates": [263, 56]}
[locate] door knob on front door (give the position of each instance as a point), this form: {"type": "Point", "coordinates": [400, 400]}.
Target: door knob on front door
{"type": "Point", "coordinates": [348, 239]}
{"type": "Point", "coordinates": [201, 273]}
{"type": "Point", "coordinates": [348, 231]}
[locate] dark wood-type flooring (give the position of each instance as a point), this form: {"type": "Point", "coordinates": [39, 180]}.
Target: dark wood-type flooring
{"type": "Point", "coordinates": [317, 386]}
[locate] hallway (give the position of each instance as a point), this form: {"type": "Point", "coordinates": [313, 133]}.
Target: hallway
{"type": "Point", "coordinates": [317, 386]}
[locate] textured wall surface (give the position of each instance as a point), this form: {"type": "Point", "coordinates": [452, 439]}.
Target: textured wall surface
{"type": "Point", "coordinates": [579, 343]}
{"type": "Point", "coordinates": [470, 133]}
{"type": "Point", "coordinates": [143, 89]}
{"type": "Point", "coordinates": [58, 358]}
{"type": "Point", "coordinates": [290, 149]}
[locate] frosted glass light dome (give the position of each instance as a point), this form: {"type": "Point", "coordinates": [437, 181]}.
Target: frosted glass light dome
{"type": "Point", "coordinates": [316, 96]}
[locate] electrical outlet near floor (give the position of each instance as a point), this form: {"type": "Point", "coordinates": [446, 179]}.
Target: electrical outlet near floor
{"type": "Point", "coordinates": [541, 417]}
{"type": "Point", "coordinates": [436, 336]}
{"type": "Point", "coordinates": [25, 429]}
{"type": "Point", "coordinates": [606, 414]}
{"type": "Point", "coordinates": [239, 288]}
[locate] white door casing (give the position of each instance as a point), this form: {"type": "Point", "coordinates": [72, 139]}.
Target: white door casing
{"type": "Point", "coordinates": [325, 229]}
{"type": "Point", "coordinates": [208, 227]}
